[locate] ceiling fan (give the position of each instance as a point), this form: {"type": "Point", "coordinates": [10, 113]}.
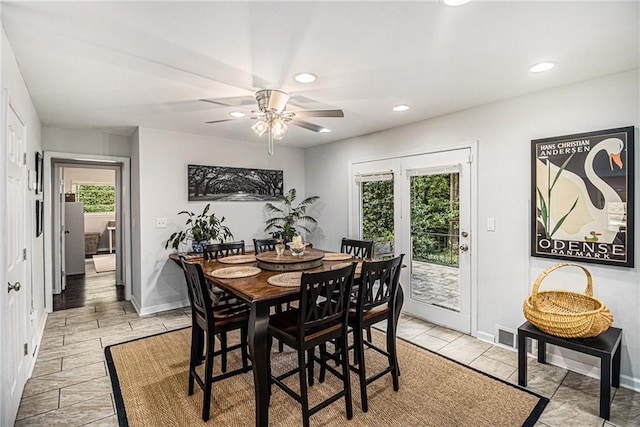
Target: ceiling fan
{"type": "Point", "coordinates": [273, 117]}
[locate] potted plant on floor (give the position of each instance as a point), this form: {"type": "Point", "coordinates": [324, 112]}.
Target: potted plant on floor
{"type": "Point", "coordinates": [285, 219]}
{"type": "Point", "coordinates": [200, 229]}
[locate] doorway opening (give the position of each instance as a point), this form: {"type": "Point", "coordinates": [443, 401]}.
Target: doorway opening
{"type": "Point", "coordinates": [89, 230]}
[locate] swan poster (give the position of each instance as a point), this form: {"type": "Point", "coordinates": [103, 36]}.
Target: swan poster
{"type": "Point", "coordinates": [582, 186]}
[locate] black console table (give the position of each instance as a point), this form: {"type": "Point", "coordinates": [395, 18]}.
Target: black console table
{"type": "Point", "coordinates": [606, 346]}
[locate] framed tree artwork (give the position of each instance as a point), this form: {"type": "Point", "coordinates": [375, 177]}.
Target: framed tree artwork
{"type": "Point", "coordinates": [222, 183]}
{"type": "Point", "coordinates": [582, 190]}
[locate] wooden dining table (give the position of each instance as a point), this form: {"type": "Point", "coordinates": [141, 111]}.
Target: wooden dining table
{"type": "Point", "coordinates": [261, 296]}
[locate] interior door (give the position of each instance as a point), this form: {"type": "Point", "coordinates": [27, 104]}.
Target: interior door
{"type": "Point", "coordinates": [436, 236]}
{"type": "Point", "coordinates": [74, 238]}
{"type": "Point", "coordinates": [59, 261]}
{"type": "Point", "coordinates": [16, 316]}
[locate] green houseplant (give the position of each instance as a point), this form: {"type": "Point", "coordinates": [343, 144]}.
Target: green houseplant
{"type": "Point", "coordinates": [285, 219]}
{"type": "Point", "coordinates": [200, 229]}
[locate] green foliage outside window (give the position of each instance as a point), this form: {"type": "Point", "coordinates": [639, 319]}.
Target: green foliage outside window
{"type": "Point", "coordinates": [434, 217]}
{"type": "Point", "coordinates": [97, 198]}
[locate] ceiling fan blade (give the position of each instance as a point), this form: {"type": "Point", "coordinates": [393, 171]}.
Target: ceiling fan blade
{"type": "Point", "coordinates": [306, 125]}
{"type": "Point", "coordinates": [224, 120]}
{"type": "Point", "coordinates": [319, 113]}
{"type": "Point", "coordinates": [242, 102]}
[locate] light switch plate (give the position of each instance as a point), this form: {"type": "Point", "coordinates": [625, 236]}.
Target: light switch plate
{"type": "Point", "coordinates": [161, 222]}
{"type": "Point", "coordinates": [491, 224]}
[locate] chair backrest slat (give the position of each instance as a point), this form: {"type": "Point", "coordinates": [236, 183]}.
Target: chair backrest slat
{"type": "Point", "coordinates": [357, 248]}
{"type": "Point", "coordinates": [379, 283]}
{"type": "Point", "coordinates": [216, 250]}
{"type": "Point", "coordinates": [316, 309]}
{"type": "Point", "coordinates": [264, 245]}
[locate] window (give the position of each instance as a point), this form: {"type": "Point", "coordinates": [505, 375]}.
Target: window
{"type": "Point", "coordinates": [96, 198]}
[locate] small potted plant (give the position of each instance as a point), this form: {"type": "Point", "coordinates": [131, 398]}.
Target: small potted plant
{"type": "Point", "coordinates": [285, 219]}
{"type": "Point", "coordinates": [201, 230]}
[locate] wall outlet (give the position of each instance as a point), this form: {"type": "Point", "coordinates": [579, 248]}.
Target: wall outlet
{"type": "Point", "coordinates": [161, 222]}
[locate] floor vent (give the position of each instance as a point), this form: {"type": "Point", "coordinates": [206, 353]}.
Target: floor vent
{"type": "Point", "coordinates": [507, 337]}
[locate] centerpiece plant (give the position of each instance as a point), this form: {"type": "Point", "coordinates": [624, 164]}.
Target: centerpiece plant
{"type": "Point", "coordinates": [286, 217]}
{"type": "Point", "coordinates": [201, 229]}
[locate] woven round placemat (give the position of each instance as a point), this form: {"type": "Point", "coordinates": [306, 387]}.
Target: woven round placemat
{"type": "Point", "coordinates": [346, 264]}
{"type": "Point", "coordinates": [235, 272]}
{"type": "Point", "coordinates": [237, 259]}
{"type": "Point", "coordinates": [285, 280]}
{"type": "Point", "coordinates": [336, 256]}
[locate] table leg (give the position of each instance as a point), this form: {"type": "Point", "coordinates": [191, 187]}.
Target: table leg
{"type": "Point", "coordinates": [259, 348]}
{"type": "Point", "coordinates": [542, 351]}
{"type": "Point", "coordinates": [605, 386]}
{"type": "Point", "coordinates": [522, 359]}
{"type": "Point", "coordinates": [615, 379]}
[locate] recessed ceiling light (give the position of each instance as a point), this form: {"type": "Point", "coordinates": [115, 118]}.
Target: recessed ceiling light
{"type": "Point", "coordinates": [455, 2]}
{"type": "Point", "coordinates": [542, 67]}
{"type": "Point", "coordinates": [401, 107]}
{"type": "Point", "coordinates": [237, 114]}
{"type": "Point", "coordinates": [305, 77]}
{"type": "Point", "coordinates": [325, 130]}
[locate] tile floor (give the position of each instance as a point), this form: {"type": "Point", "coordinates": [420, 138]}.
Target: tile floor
{"type": "Point", "coordinates": [70, 384]}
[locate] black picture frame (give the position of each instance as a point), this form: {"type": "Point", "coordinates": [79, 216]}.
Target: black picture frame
{"type": "Point", "coordinates": [222, 183]}
{"type": "Point", "coordinates": [39, 172]}
{"type": "Point", "coordinates": [582, 197]}
{"type": "Point", "coordinates": [39, 216]}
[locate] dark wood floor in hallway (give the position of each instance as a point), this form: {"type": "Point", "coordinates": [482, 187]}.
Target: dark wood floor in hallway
{"type": "Point", "coordinates": [89, 288]}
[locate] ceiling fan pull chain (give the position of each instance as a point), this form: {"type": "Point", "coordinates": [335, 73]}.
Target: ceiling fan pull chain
{"type": "Point", "coordinates": [270, 147]}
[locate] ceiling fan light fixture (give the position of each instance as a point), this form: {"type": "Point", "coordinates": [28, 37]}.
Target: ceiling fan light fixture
{"type": "Point", "coordinates": [237, 114]}
{"type": "Point", "coordinates": [278, 128]}
{"type": "Point", "coordinates": [401, 107]}
{"type": "Point", "coordinates": [541, 67]}
{"type": "Point", "coordinates": [260, 127]}
{"type": "Point", "coordinates": [305, 77]}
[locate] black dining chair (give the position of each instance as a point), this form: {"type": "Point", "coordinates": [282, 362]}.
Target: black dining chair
{"type": "Point", "coordinates": [264, 245]}
{"type": "Point", "coordinates": [216, 250]}
{"type": "Point", "coordinates": [375, 301]}
{"type": "Point", "coordinates": [316, 321]}
{"type": "Point", "coordinates": [357, 248]}
{"type": "Point", "coordinates": [208, 319]}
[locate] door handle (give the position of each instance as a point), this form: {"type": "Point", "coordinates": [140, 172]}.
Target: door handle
{"type": "Point", "coordinates": [464, 247]}
{"type": "Point", "coordinates": [16, 286]}
{"type": "Point", "coordinates": [66, 232]}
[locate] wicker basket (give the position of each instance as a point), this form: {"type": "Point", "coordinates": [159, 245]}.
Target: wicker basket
{"type": "Point", "coordinates": [567, 314]}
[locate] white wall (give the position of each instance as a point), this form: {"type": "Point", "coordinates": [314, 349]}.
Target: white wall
{"type": "Point", "coordinates": [85, 142]}
{"type": "Point", "coordinates": [504, 131]}
{"type": "Point", "coordinates": [162, 158]}
{"type": "Point", "coordinates": [11, 82]}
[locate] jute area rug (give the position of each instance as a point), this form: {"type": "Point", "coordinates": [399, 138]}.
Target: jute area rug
{"type": "Point", "coordinates": [149, 378]}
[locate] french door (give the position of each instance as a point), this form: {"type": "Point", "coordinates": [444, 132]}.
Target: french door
{"type": "Point", "coordinates": [421, 206]}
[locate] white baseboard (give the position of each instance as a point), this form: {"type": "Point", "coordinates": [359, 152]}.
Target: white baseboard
{"type": "Point", "coordinates": [135, 304]}
{"type": "Point", "coordinates": [483, 336]}
{"type": "Point", "coordinates": [160, 307]}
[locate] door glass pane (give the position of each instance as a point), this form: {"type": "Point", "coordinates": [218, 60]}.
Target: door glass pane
{"type": "Point", "coordinates": [377, 216]}
{"type": "Point", "coordinates": [435, 277]}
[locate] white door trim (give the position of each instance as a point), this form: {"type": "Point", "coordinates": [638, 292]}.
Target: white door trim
{"type": "Point", "coordinates": [473, 147]}
{"type": "Point", "coordinates": [125, 208]}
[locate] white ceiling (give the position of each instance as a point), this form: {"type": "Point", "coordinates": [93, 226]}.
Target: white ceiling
{"type": "Point", "coordinates": [116, 65]}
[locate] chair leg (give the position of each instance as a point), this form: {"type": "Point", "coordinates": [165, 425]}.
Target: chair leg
{"type": "Point", "coordinates": [393, 354]}
{"type": "Point", "coordinates": [208, 381]}
{"type": "Point", "coordinates": [323, 362]}
{"type": "Point", "coordinates": [304, 398]}
{"type": "Point", "coordinates": [362, 373]}
{"type": "Point", "coordinates": [243, 347]}
{"type": "Point", "coordinates": [223, 347]}
{"type": "Point", "coordinates": [196, 355]}
{"type": "Point", "coordinates": [369, 333]}
{"type": "Point", "coordinates": [280, 343]}
{"type": "Point", "coordinates": [310, 364]}
{"type": "Point", "coordinates": [346, 379]}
